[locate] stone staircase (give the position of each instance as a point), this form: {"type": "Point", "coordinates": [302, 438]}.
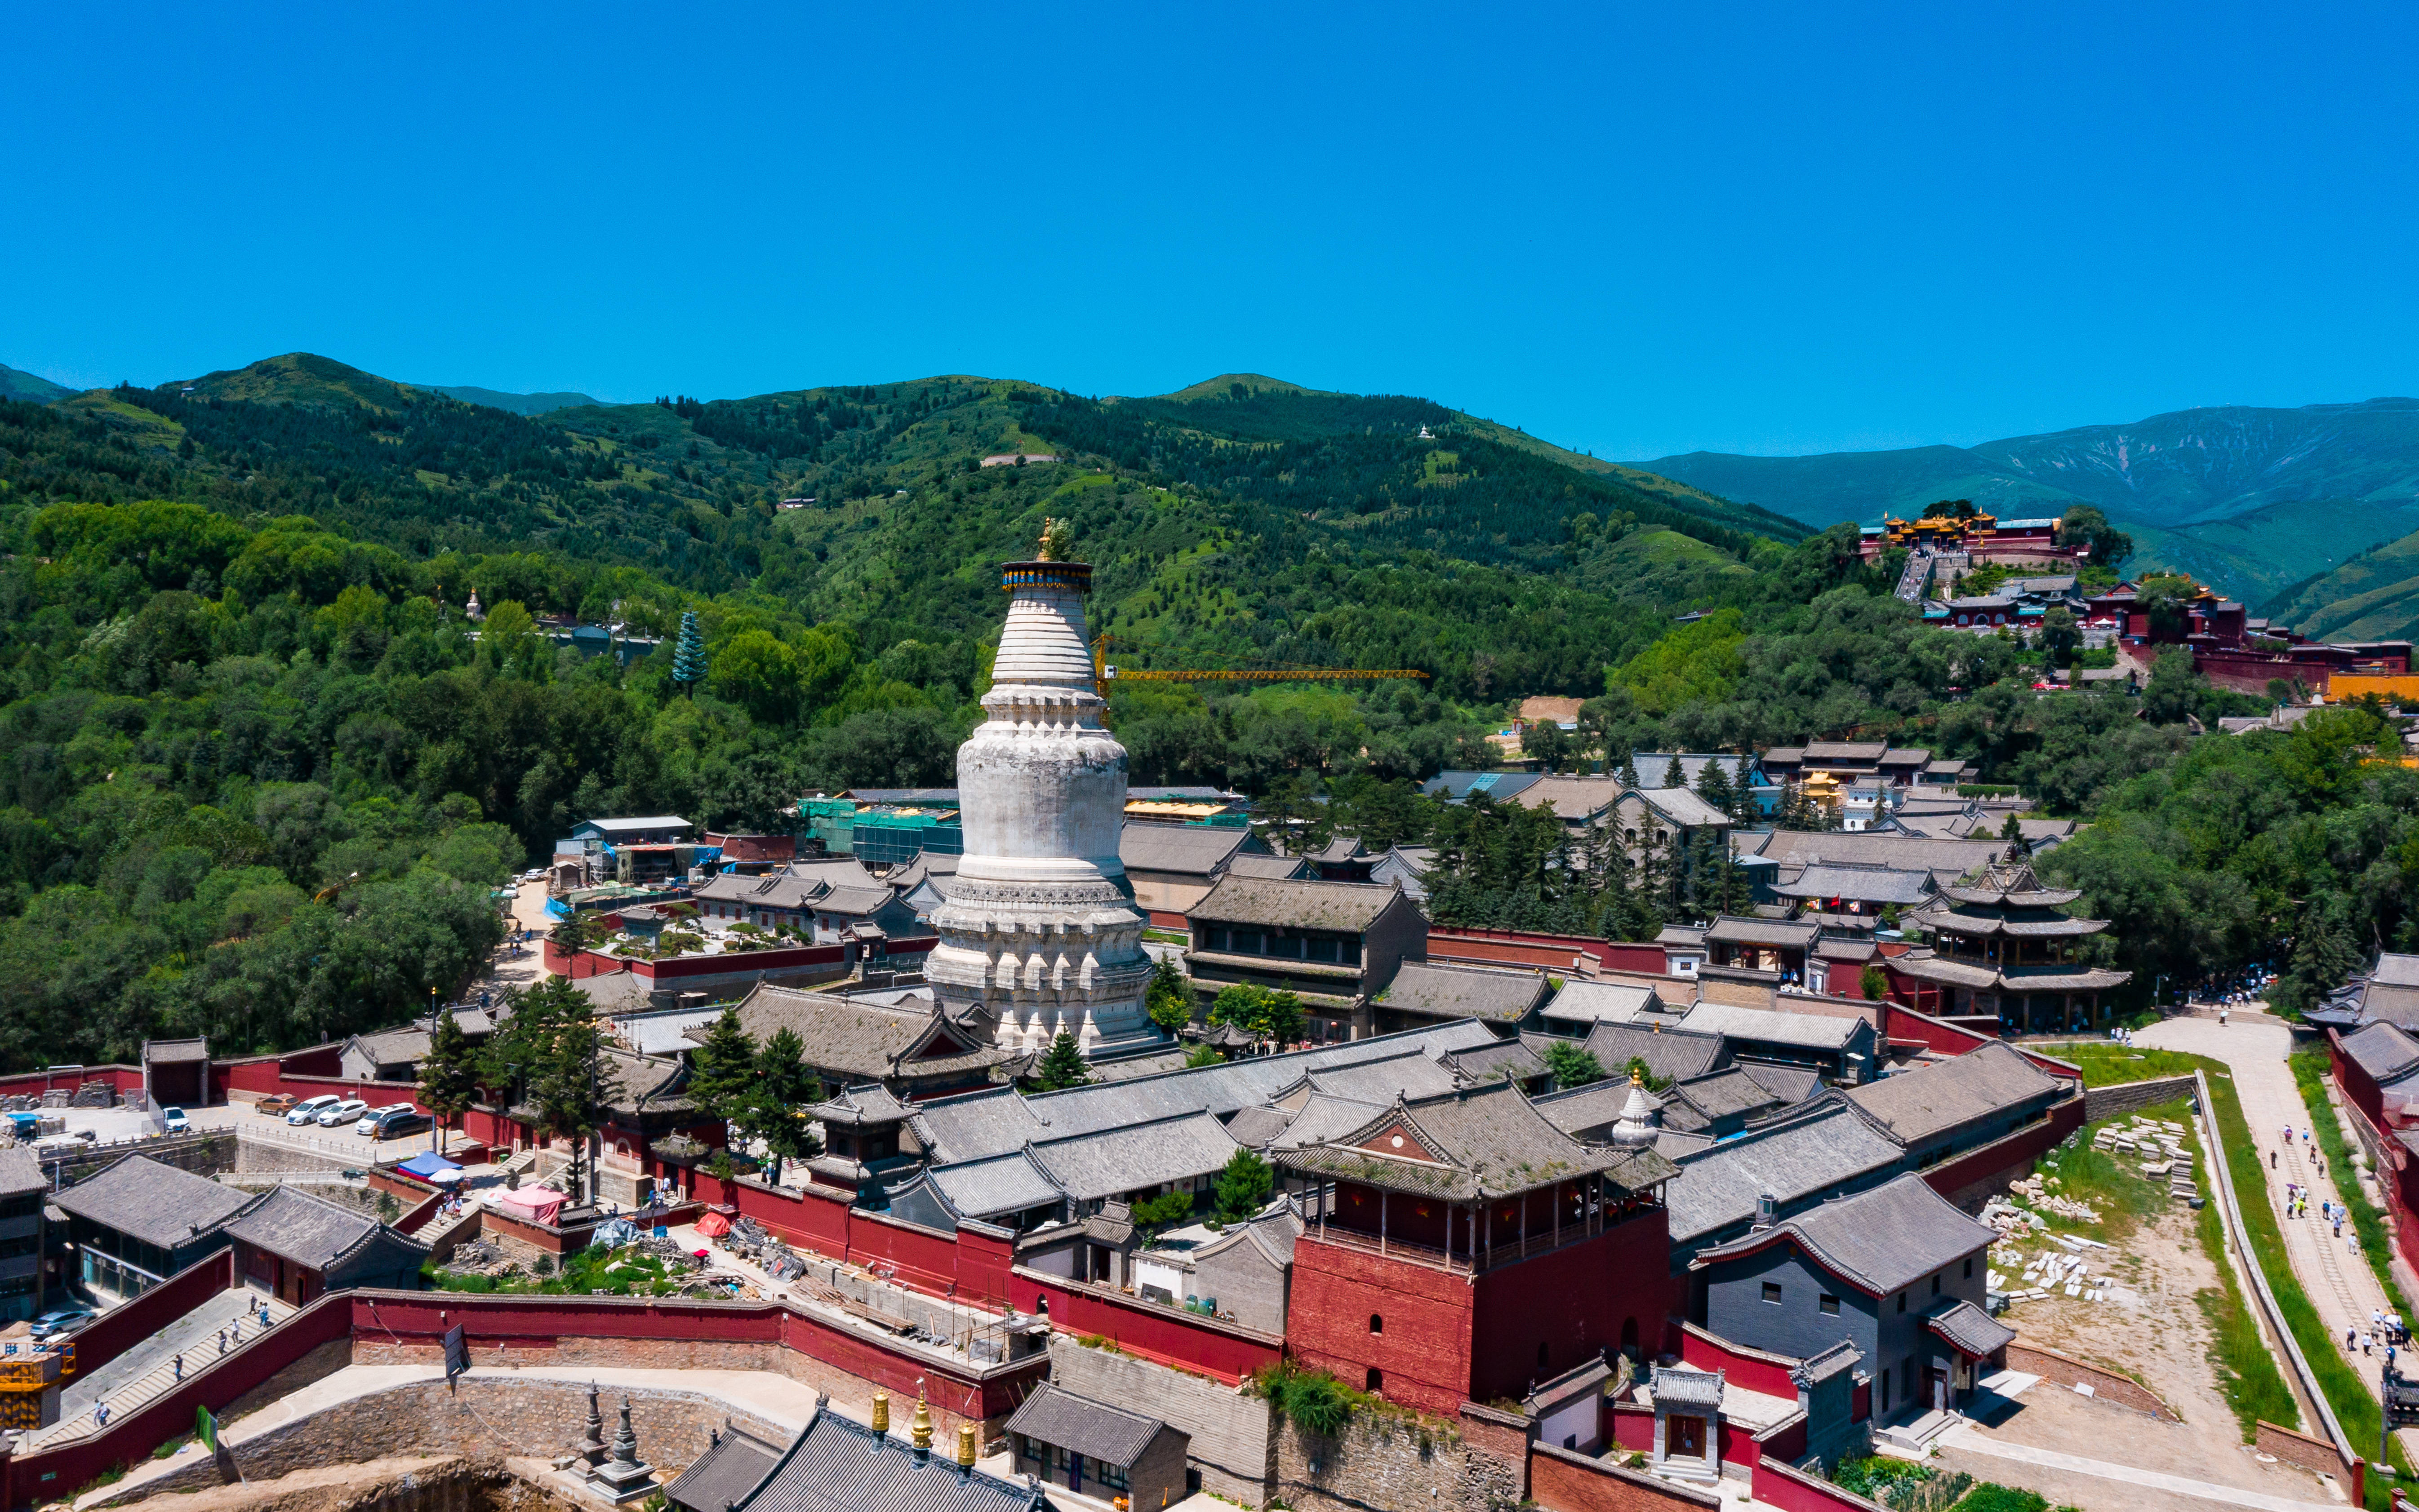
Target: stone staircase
{"type": "Point", "coordinates": [150, 1369]}
{"type": "Point", "coordinates": [1918, 576]}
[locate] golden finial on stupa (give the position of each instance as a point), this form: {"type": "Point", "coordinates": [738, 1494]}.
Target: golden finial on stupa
{"type": "Point", "coordinates": [882, 1412]}
{"type": "Point", "coordinates": [966, 1444]}
{"type": "Point", "coordinates": [923, 1426]}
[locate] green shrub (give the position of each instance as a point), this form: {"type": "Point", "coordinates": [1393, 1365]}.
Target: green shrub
{"type": "Point", "coordinates": [1991, 1497]}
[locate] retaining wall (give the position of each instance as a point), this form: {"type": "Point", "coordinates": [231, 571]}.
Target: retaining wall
{"type": "Point", "coordinates": [2133, 1096]}
{"type": "Point", "coordinates": [2066, 1370]}
{"type": "Point", "coordinates": [1234, 1435]}
{"type": "Point", "coordinates": [1561, 1480]}
{"type": "Point", "coordinates": [1401, 1461]}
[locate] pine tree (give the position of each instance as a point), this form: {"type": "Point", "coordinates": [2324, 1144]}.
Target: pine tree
{"type": "Point", "coordinates": [449, 1077]}
{"type": "Point", "coordinates": [720, 1069]}
{"type": "Point", "coordinates": [1629, 769]}
{"type": "Point", "coordinates": [1062, 1064]}
{"type": "Point", "coordinates": [1168, 999]}
{"type": "Point", "coordinates": [1243, 1186]}
{"type": "Point", "coordinates": [1714, 786]}
{"type": "Point", "coordinates": [688, 656]}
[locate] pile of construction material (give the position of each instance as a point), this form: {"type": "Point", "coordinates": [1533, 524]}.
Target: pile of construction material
{"type": "Point", "coordinates": [2162, 1142]}
{"type": "Point", "coordinates": [2035, 1190]}
{"type": "Point", "coordinates": [2078, 1268]}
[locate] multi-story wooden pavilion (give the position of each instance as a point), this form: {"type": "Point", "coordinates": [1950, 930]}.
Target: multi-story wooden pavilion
{"type": "Point", "coordinates": [2002, 948]}
{"type": "Point", "coordinates": [1459, 1248]}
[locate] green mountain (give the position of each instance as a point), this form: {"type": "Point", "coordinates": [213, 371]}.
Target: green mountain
{"type": "Point", "coordinates": [511, 403]}
{"type": "Point", "coordinates": [15, 383]}
{"type": "Point", "coordinates": [2252, 500]}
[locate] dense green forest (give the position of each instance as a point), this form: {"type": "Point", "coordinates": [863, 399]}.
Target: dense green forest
{"type": "Point", "coordinates": [257, 774]}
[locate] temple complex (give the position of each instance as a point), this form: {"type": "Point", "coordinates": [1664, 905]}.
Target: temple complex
{"type": "Point", "coordinates": [1039, 932]}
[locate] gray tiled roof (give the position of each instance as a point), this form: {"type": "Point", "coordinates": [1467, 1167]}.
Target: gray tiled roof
{"type": "Point", "coordinates": [1773, 1026]}
{"type": "Point", "coordinates": [1090, 1166]}
{"type": "Point", "coordinates": [168, 1052]}
{"type": "Point", "coordinates": [1200, 849]}
{"type": "Point", "coordinates": [154, 1202]}
{"type": "Point", "coordinates": [1865, 884]}
{"type": "Point", "coordinates": [1607, 1002]}
{"type": "Point", "coordinates": [1687, 1387]}
{"type": "Point", "coordinates": [837, 1466]}
{"type": "Point", "coordinates": [1306, 904]}
{"type": "Point", "coordinates": [1095, 1430]}
{"type": "Point", "coordinates": [1881, 1240]}
{"type": "Point", "coordinates": [1409, 1075]}
{"type": "Point", "coordinates": [1325, 1118]}
{"type": "Point", "coordinates": [1975, 1333]}
{"type": "Point", "coordinates": [1940, 1096]}
{"type": "Point", "coordinates": [1683, 807]}
{"type": "Point", "coordinates": [851, 1035]}
{"type": "Point", "coordinates": [1791, 1084]}
{"type": "Point", "coordinates": [21, 1172]}
{"type": "Point", "coordinates": [1671, 1054]}
{"type": "Point", "coordinates": [1257, 1128]}
{"type": "Point", "coordinates": [1654, 768]}
{"type": "Point", "coordinates": [994, 1122]}
{"type": "Point", "coordinates": [313, 1231]}
{"type": "Point", "coordinates": [1780, 934]}
{"type": "Point", "coordinates": [1269, 868]}
{"type": "Point", "coordinates": [1824, 1144]}
{"type": "Point", "coordinates": [1726, 1093]}
{"type": "Point", "coordinates": [1002, 1184]}
{"type": "Point", "coordinates": [725, 1474]}
{"type": "Point", "coordinates": [1577, 1110]}
{"type": "Point", "coordinates": [1488, 1141]}
{"type": "Point", "coordinates": [2383, 1050]}
{"type": "Point", "coordinates": [2395, 971]}
{"type": "Point", "coordinates": [1495, 995]}
{"type": "Point", "coordinates": [1508, 1058]}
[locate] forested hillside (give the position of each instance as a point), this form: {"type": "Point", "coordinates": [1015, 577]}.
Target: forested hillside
{"type": "Point", "coordinates": [257, 776]}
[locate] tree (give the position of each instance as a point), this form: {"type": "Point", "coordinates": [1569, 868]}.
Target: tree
{"type": "Point", "coordinates": [1258, 1012]}
{"type": "Point", "coordinates": [2060, 637]}
{"type": "Point", "coordinates": [2014, 833]}
{"type": "Point", "coordinates": [780, 1088]}
{"type": "Point", "coordinates": [1572, 1065]}
{"type": "Point", "coordinates": [1168, 999]}
{"type": "Point", "coordinates": [1243, 1186]}
{"type": "Point", "coordinates": [755, 671]}
{"type": "Point", "coordinates": [1629, 769]}
{"type": "Point", "coordinates": [449, 1077]}
{"type": "Point", "coordinates": [1874, 981]}
{"type": "Point", "coordinates": [1714, 786]}
{"type": "Point", "coordinates": [566, 1088]}
{"type": "Point", "coordinates": [576, 933]}
{"type": "Point", "coordinates": [720, 1069]}
{"type": "Point", "coordinates": [1637, 1069]}
{"type": "Point", "coordinates": [1548, 743]}
{"type": "Point", "coordinates": [1062, 1066]}
{"type": "Point", "coordinates": [2083, 526]}
{"type": "Point", "coordinates": [1156, 1213]}
{"type": "Point", "coordinates": [688, 654]}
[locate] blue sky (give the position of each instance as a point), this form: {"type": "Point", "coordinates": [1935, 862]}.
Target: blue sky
{"type": "Point", "coordinates": [1770, 229]}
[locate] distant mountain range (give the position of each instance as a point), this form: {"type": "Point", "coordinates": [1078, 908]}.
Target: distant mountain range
{"type": "Point", "coordinates": [2256, 502]}
{"type": "Point", "coordinates": [515, 404]}
{"type": "Point", "coordinates": [17, 384]}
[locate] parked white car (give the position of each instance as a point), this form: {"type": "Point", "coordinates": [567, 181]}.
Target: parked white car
{"type": "Point", "coordinates": [309, 1109]}
{"type": "Point", "coordinates": [370, 1117]}
{"type": "Point", "coordinates": [336, 1115]}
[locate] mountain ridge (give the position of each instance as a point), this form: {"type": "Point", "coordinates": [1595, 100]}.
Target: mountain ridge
{"type": "Point", "coordinates": [2252, 498]}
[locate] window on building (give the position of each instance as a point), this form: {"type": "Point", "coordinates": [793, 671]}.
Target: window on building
{"type": "Point", "coordinates": [1969, 1267]}
{"type": "Point", "coordinates": [1772, 1293]}
{"type": "Point", "coordinates": [1352, 951]}
{"type": "Point", "coordinates": [1320, 950]}
{"type": "Point", "coordinates": [1902, 1302]}
{"type": "Point", "coordinates": [1936, 1286]}
{"type": "Point", "coordinates": [1374, 1382]}
{"type": "Point", "coordinates": [1828, 1305]}
{"type": "Point", "coordinates": [1377, 1324]}
{"type": "Point", "coordinates": [1906, 1378]}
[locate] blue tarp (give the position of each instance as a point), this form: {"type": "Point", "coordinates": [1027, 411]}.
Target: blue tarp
{"type": "Point", "coordinates": [428, 1164]}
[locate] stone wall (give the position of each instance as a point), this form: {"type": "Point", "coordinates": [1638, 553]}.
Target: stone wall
{"type": "Point", "coordinates": [2133, 1096]}
{"type": "Point", "coordinates": [1234, 1440]}
{"type": "Point", "coordinates": [487, 1417]}
{"type": "Point", "coordinates": [2316, 1455]}
{"type": "Point", "coordinates": [2065, 1370]}
{"type": "Point", "coordinates": [205, 1154]}
{"type": "Point", "coordinates": [1394, 1460]}
{"type": "Point", "coordinates": [419, 1483]}
{"type": "Point", "coordinates": [1561, 1480]}
{"type": "Point", "coordinates": [264, 1156]}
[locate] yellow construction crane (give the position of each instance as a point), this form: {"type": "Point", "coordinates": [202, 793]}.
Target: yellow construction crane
{"type": "Point", "coordinates": [1103, 672]}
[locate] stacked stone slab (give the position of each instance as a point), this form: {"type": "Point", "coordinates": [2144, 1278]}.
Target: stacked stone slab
{"type": "Point", "coordinates": [1040, 933]}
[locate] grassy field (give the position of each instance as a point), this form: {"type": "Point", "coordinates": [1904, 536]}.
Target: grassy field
{"type": "Point", "coordinates": [2106, 1064]}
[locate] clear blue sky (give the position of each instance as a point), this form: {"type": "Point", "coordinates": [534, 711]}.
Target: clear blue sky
{"type": "Point", "coordinates": [1635, 230]}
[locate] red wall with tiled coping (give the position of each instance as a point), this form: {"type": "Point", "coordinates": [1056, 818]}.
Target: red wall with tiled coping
{"type": "Point", "coordinates": [35, 1083]}
{"type": "Point", "coordinates": [1170, 1336]}
{"type": "Point", "coordinates": [1753, 1369]}
{"type": "Point", "coordinates": [1956, 1174]}
{"type": "Point", "coordinates": [1553, 952]}
{"type": "Point", "coordinates": [1776, 1483]}
{"type": "Point", "coordinates": [519, 1323]}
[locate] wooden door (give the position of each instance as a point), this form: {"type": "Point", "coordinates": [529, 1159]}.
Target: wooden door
{"type": "Point", "coordinates": [1684, 1436]}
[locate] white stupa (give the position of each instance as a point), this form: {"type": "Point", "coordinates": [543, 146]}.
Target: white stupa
{"type": "Point", "coordinates": [1040, 931]}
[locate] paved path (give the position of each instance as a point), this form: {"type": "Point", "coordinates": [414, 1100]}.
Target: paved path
{"type": "Point", "coordinates": [150, 1367]}
{"type": "Point", "coordinates": [2335, 1277]}
{"type": "Point", "coordinates": [1963, 1437]}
